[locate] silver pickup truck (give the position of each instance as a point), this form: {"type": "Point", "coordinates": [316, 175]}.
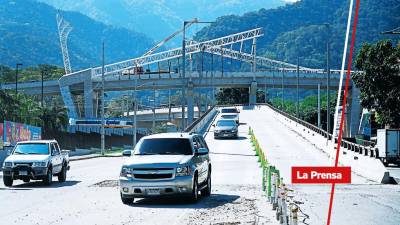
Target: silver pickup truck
{"type": "Point", "coordinates": [35, 160]}
{"type": "Point", "coordinates": [169, 164]}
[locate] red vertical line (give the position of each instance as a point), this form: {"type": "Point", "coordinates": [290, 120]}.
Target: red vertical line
{"type": "Point", "coordinates": [353, 38]}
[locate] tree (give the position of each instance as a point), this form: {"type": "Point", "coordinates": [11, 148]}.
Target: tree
{"type": "Point", "coordinates": [380, 81]}
{"type": "Point", "coordinates": [53, 118]}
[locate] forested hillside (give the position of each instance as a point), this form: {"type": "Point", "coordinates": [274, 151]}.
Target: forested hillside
{"type": "Point", "coordinates": [301, 29]}
{"type": "Point", "coordinates": [28, 35]}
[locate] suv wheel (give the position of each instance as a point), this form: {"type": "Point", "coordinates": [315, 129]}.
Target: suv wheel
{"type": "Point", "coordinates": [8, 181]}
{"type": "Point", "coordinates": [126, 200]}
{"type": "Point", "coordinates": [49, 177]}
{"type": "Point", "coordinates": [195, 191]}
{"type": "Point", "coordinates": [207, 190]}
{"type": "Point", "coordinates": [62, 176]}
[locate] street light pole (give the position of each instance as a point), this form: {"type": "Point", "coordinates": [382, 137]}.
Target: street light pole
{"type": "Point", "coordinates": [16, 77]}
{"type": "Point", "coordinates": [42, 73]}
{"type": "Point", "coordinates": [102, 104]}
{"type": "Point", "coordinates": [134, 113]}
{"type": "Point", "coordinates": [319, 105]}
{"type": "Point", "coordinates": [297, 87]}
{"type": "Point", "coordinates": [328, 108]}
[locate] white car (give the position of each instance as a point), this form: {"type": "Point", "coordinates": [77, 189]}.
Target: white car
{"type": "Point", "coordinates": [230, 114]}
{"type": "Point", "coordinates": [35, 160]}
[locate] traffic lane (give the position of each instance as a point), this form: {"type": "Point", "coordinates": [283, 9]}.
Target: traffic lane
{"type": "Point", "coordinates": [233, 160]}
{"type": "Point", "coordinates": [285, 148]}
{"type": "Point", "coordinates": [353, 204]}
{"type": "Point", "coordinates": [82, 201]}
{"type": "Point", "coordinates": [362, 202]}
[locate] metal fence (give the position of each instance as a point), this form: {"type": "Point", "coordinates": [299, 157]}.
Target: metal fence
{"type": "Point", "coordinates": [361, 149]}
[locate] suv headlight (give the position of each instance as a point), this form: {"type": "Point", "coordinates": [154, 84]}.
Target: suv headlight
{"type": "Point", "coordinates": [183, 171]}
{"type": "Point", "coordinates": [39, 164]}
{"type": "Point", "coordinates": [217, 131]}
{"type": "Point", "coordinates": [7, 164]}
{"type": "Point", "coordinates": [125, 171]}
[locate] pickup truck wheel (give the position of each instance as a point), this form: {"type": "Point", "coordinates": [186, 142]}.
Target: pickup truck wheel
{"type": "Point", "coordinates": [195, 191]}
{"type": "Point", "coordinates": [49, 177]}
{"type": "Point", "coordinates": [26, 180]}
{"type": "Point", "coordinates": [207, 190]}
{"type": "Point", "coordinates": [8, 181]}
{"type": "Point", "coordinates": [62, 176]}
{"type": "Point", "coordinates": [126, 200]}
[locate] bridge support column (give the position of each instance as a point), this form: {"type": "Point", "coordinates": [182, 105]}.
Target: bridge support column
{"type": "Point", "coordinates": [80, 77]}
{"type": "Point", "coordinates": [253, 93]}
{"type": "Point", "coordinates": [68, 101]}
{"type": "Point", "coordinates": [88, 97]}
{"type": "Point", "coordinates": [355, 111]}
{"type": "Point", "coordinates": [190, 104]}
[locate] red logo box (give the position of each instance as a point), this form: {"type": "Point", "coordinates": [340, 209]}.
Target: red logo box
{"type": "Point", "coordinates": [321, 175]}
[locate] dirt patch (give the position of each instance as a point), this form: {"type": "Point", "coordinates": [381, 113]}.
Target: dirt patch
{"type": "Point", "coordinates": [106, 183]}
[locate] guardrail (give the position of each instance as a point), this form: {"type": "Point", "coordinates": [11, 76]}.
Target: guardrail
{"type": "Point", "coordinates": [361, 149]}
{"type": "Point", "coordinates": [202, 123]}
{"type": "Point", "coordinates": [287, 210]}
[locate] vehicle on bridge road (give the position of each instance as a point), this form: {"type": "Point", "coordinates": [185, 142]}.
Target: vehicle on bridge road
{"type": "Point", "coordinates": [168, 164]}
{"type": "Point", "coordinates": [35, 160]}
{"type": "Point", "coordinates": [224, 128]}
{"type": "Point", "coordinates": [230, 113]}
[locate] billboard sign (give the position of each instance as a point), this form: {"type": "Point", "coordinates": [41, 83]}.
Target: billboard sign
{"type": "Point", "coordinates": [15, 132]}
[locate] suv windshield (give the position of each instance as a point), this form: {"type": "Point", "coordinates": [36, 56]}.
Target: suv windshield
{"type": "Point", "coordinates": [226, 123]}
{"type": "Point", "coordinates": [228, 116]}
{"type": "Point", "coordinates": [164, 146]}
{"type": "Point", "coordinates": [32, 148]}
{"type": "Point", "coordinates": [229, 111]}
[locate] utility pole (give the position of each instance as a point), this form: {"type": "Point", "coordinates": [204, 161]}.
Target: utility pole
{"type": "Point", "coordinates": [41, 101]}
{"type": "Point", "coordinates": [16, 77]}
{"type": "Point", "coordinates": [102, 131]}
{"type": "Point", "coordinates": [154, 108]}
{"type": "Point", "coordinates": [283, 75]}
{"type": "Point", "coordinates": [297, 87]}
{"type": "Point", "coordinates": [134, 112]}
{"type": "Point", "coordinates": [319, 105]}
{"type": "Point", "coordinates": [328, 108]}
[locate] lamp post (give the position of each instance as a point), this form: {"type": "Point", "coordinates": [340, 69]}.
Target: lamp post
{"type": "Point", "coordinates": [16, 77]}
{"type": "Point", "coordinates": [185, 24]}
{"type": "Point", "coordinates": [42, 76]}
{"type": "Point", "coordinates": [135, 108]}
{"type": "Point", "coordinates": [102, 131]}
{"type": "Point", "coordinates": [328, 81]}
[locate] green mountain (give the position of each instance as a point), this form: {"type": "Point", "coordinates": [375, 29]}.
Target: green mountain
{"type": "Point", "coordinates": [159, 18]}
{"type": "Point", "coordinates": [29, 35]}
{"type": "Point", "coordinates": [300, 30]}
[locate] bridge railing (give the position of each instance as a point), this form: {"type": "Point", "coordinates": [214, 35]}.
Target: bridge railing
{"type": "Point", "coordinates": [201, 124]}
{"type": "Point", "coordinates": [358, 148]}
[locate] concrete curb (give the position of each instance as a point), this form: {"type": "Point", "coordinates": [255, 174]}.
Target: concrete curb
{"type": "Point", "coordinates": [92, 157]}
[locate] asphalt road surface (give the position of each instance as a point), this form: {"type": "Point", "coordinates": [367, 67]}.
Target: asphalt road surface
{"type": "Point", "coordinates": [91, 196]}
{"type": "Point", "coordinates": [362, 202]}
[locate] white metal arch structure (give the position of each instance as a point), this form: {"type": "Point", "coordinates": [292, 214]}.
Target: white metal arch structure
{"type": "Point", "coordinates": [247, 57]}
{"type": "Point", "coordinates": [64, 28]}
{"type": "Point", "coordinates": [177, 52]}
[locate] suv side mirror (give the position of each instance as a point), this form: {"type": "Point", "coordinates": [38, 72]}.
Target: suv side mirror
{"type": "Point", "coordinates": [127, 153]}
{"type": "Point", "coordinates": [201, 151]}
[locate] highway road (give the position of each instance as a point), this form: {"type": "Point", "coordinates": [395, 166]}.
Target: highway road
{"type": "Point", "coordinates": [91, 196]}
{"type": "Point", "coordinates": [362, 202]}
